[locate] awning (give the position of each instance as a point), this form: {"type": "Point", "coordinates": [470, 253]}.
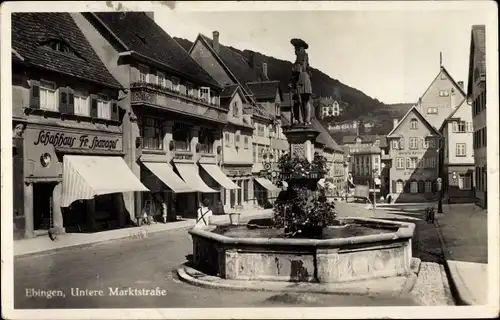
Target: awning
{"type": "Point", "coordinates": [190, 175]}
{"type": "Point", "coordinates": [165, 173]}
{"type": "Point", "coordinates": [84, 177]}
{"type": "Point", "coordinates": [216, 173]}
{"type": "Point", "coordinates": [267, 184]}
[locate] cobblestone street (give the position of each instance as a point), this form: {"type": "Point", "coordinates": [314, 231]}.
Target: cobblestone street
{"type": "Point", "coordinates": [151, 262]}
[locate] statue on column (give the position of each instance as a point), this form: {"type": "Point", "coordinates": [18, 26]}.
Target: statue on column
{"type": "Point", "coordinates": [300, 85]}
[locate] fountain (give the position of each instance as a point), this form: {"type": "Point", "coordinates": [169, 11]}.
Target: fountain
{"type": "Point", "coordinates": [304, 241]}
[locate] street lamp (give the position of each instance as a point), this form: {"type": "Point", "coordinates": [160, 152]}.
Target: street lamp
{"type": "Point", "coordinates": [439, 179]}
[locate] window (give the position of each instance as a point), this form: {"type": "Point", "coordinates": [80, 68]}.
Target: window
{"type": "Point", "coordinates": [443, 93]}
{"type": "Point", "coordinates": [254, 153]}
{"type": "Point", "coordinates": [152, 133]}
{"type": "Point", "coordinates": [428, 186]}
{"type": "Point", "coordinates": [460, 126]}
{"type": "Point", "coordinates": [188, 89]}
{"type": "Point", "coordinates": [182, 136]}
{"type": "Point", "coordinates": [143, 73]}
{"type": "Point", "coordinates": [103, 107]}
{"type": "Point", "coordinates": [394, 144]}
{"type": "Point", "coordinates": [236, 109]}
{"type": "Point", "coordinates": [460, 150]}
{"type": "Point", "coordinates": [59, 46]}
{"type": "Point", "coordinates": [413, 124]}
{"type": "Point", "coordinates": [48, 99]}
{"type": "Point", "coordinates": [399, 186]}
{"type": "Point", "coordinates": [205, 94]}
{"type": "Point", "coordinates": [236, 140]}
{"type": "Point", "coordinates": [245, 142]}
{"type": "Point", "coordinates": [82, 105]}
{"type": "Point", "coordinates": [401, 143]}
{"type": "Point", "coordinates": [432, 162]}
{"type": "Point", "coordinates": [432, 110]}
{"type": "Point", "coordinates": [400, 163]}
{"type": "Point", "coordinates": [413, 143]}
{"type": "Point", "coordinates": [414, 187]}
{"type": "Point", "coordinates": [227, 139]}
{"type": "Point", "coordinates": [464, 182]}
{"type": "Point", "coordinates": [260, 130]}
{"type": "Point", "coordinates": [176, 84]}
{"type": "Point", "coordinates": [411, 163]}
{"type": "Point", "coordinates": [160, 79]}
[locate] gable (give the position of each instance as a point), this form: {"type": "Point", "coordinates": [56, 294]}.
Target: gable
{"type": "Point", "coordinates": [205, 57]}
{"type": "Point", "coordinates": [403, 127]}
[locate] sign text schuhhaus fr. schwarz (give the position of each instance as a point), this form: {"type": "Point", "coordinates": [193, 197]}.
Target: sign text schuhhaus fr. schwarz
{"type": "Point", "coordinates": [71, 140]}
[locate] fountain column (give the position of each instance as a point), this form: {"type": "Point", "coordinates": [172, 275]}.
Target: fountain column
{"type": "Point", "coordinates": [301, 139]}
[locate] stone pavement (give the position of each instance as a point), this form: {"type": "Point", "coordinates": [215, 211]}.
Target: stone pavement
{"type": "Point", "coordinates": [43, 244]}
{"type": "Point", "coordinates": [463, 241]}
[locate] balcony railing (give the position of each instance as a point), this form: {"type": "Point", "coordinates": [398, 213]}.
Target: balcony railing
{"type": "Point", "coordinates": [149, 92]}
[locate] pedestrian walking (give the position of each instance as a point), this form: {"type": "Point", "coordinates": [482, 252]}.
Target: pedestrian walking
{"type": "Point", "coordinates": [203, 214]}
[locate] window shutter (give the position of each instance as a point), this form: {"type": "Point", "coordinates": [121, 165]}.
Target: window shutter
{"type": "Point", "coordinates": [114, 111]}
{"type": "Point", "coordinates": [63, 100]}
{"type": "Point", "coordinates": [401, 143]}
{"type": "Point", "coordinates": [393, 186]}
{"type": "Point", "coordinates": [35, 95]}
{"type": "Point", "coordinates": [70, 109]}
{"type": "Point", "coordinates": [93, 106]}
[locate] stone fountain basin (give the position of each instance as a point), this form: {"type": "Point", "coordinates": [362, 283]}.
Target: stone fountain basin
{"type": "Point", "coordinates": [387, 254]}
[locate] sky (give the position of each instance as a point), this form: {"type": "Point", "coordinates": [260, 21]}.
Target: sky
{"type": "Point", "coordinates": [389, 55]}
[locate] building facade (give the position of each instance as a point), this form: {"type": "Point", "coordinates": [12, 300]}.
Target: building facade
{"type": "Point", "coordinates": [69, 171]}
{"type": "Point", "coordinates": [476, 93]}
{"type": "Point", "coordinates": [329, 107]}
{"type": "Point", "coordinates": [367, 167]}
{"type": "Point", "coordinates": [237, 148]}
{"type": "Point", "coordinates": [174, 119]}
{"type": "Point", "coordinates": [413, 147]}
{"type": "Point", "coordinates": [457, 160]}
{"type": "Point", "coordinates": [263, 98]}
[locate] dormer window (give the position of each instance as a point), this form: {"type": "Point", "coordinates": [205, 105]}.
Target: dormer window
{"type": "Point", "coordinates": [60, 46]}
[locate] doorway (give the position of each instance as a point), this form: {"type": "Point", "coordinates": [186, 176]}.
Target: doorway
{"type": "Point", "coordinates": [42, 205]}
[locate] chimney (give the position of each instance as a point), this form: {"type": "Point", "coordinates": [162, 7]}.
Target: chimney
{"type": "Point", "coordinates": [151, 15]}
{"type": "Point", "coordinates": [215, 43]}
{"type": "Point", "coordinates": [264, 70]}
{"type": "Point", "coordinates": [461, 85]}
{"type": "Point", "coordinates": [395, 123]}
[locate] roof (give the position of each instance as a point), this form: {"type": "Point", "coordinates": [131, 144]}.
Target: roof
{"type": "Point", "coordinates": [419, 115]}
{"type": "Point", "coordinates": [478, 50]}
{"type": "Point", "coordinates": [235, 63]}
{"type": "Point", "coordinates": [370, 138]}
{"type": "Point", "coordinates": [452, 115]}
{"type": "Point", "coordinates": [138, 33]}
{"type": "Point", "coordinates": [229, 91]}
{"type": "Point", "coordinates": [264, 89]}
{"type": "Point", "coordinates": [31, 30]}
{"type": "Point", "coordinates": [443, 69]}
{"type": "Point", "coordinates": [324, 137]}
{"type": "Point", "coordinates": [369, 149]}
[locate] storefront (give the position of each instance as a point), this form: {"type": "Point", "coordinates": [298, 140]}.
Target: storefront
{"type": "Point", "coordinates": [265, 192]}
{"type": "Point", "coordinates": [241, 175]}
{"type": "Point", "coordinates": [74, 180]}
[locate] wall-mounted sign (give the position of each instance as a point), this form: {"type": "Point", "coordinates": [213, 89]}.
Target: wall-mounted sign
{"type": "Point", "coordinates": [411, 153]}
{"type": "Point", "coordinates": [74, 140]}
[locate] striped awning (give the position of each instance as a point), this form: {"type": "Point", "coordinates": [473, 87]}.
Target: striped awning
{"type": "Point", "coordinates": [267, 184]}
{"type": "Point", "coordinates": [190, 174]}
{"type": "Point", "coordinates": [216, 173]}
{"type": "Point", "coordinates": [85, 177]}
{"type": "Point", "coordinates": [166, 174]}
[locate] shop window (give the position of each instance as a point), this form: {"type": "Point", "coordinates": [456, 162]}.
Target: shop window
{"type": "Point", "coordinates": [152, 133]}
{"type": "Point", "coordinates": [48, 97]}
{"type": "Point", "coordinates": [103, 107]}
{"type": "Point", "coordinates": [464, 182]}
{"type": "Point", "coordinates": [182, 137]}
{"type": "Point", "coordinates": [399, 186]}
{"type": "Point", "coordinates": [414, 187]}
{"type": "Point", "coordinates": [428, 186]}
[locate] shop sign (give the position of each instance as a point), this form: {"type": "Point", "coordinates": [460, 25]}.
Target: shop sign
{"type": "Point", "coordinates": [73, 140]}
{"type": "Point", "coordinates": [238, 172]}
{"type": "Point", "coordinates": [411, 153]}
